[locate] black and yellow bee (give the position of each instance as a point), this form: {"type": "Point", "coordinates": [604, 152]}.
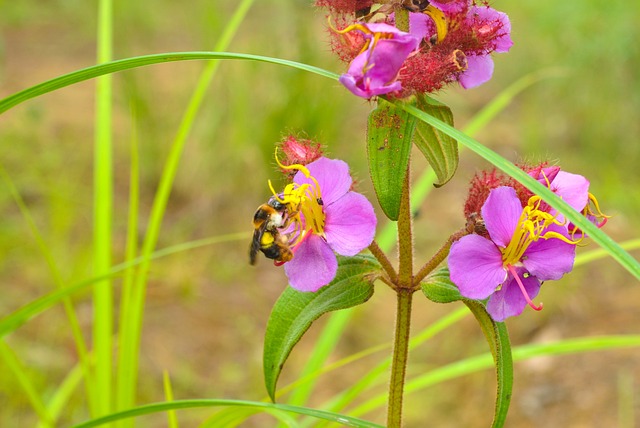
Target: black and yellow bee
{"type": "Point", "coordinates": [267, 220]}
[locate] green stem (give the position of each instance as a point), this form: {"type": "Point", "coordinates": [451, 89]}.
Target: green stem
{"type": "Point", "coordinates": [405, 236]}
{"type": "Point", "coordinates": [404, 292]}
{"type": "Point", "coordinates": [384, 261]}
{"type": "Point", "coordinates": [400, 357]}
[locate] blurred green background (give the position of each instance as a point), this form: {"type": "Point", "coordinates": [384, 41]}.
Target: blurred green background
{"type": "Point", "coordinates": [207, 308]}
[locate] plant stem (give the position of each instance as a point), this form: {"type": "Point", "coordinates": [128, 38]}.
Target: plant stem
{"type": "Point", "coordinates": [405, 236]}
{"type": "Point", "coordinates": [404, 292]}
{"type": "Point", "coordinates": [438, 257]}
{"type": "Point", "coordinates": [400, 357]}
{"type": "Point", "coordinates": [384, 261]}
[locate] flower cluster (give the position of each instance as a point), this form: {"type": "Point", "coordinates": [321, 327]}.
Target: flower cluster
{"type": "Point", "coordinates": [519, 241]}
{"type": "Point", "coordinates": [447, 41]}
{"type": "Point", "coordinates": [320, 215]}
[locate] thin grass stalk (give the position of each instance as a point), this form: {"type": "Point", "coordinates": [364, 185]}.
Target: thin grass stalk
{"type": "Point", "coordinates": [131, 326]}
{"type": "Point", "coordinates": [102, 221]}
{"type": "Point", "coordinates": [172, 418]}
{"type": "Point", "coordinates": [13, 364]}
{"type": "Point", "coordinates": [124, 393]}
{"type": "Point", "coordinates": [59, 399]}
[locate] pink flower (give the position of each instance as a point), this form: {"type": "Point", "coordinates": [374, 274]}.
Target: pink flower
{"type": "Point", "coordinates": [326, 216]}
{"type": "Point", "coordinates": [525, 246]}
{"type": "Point", "coordinates": [375, 70]}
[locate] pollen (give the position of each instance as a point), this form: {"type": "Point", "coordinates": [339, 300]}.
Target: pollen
{"type": "Point", "coordinates": [304, 205]}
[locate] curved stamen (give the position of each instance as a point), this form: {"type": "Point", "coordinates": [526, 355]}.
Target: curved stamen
{"type": "Point", "coordinates": [439, 19]}
{"type": "Point", "coordinates": [513, 272]}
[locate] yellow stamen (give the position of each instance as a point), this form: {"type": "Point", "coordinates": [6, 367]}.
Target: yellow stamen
{"type": "Point", "coordinates": [530, 228]}
{"type": "Point", "coordinates": [439, 19]}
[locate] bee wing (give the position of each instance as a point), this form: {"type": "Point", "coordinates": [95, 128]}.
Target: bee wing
{"type": "Point", "coordinates": [255, 247]}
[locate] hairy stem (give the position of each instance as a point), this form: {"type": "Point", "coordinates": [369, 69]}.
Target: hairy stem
{"type": "Point", "coordinates": [405, 237]}
{"type": "Point", "coordinates": [404, 292]}
{"type": "Point", "coordinates": [384, 261]}
{"type": "Point", "coordinates": [400, 357]}
{"type": "Point", "coordinates": [438, 257]}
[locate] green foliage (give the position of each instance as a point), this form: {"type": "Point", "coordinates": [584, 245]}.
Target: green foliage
{"type": "Point", "coordinates": [295, 311]}
{"type": "Point", "coordinates": [438, 288]}
{"type": "Point", "coordinates": [439, 148]}
{"type": "Point", "coordinates": [389, 134]}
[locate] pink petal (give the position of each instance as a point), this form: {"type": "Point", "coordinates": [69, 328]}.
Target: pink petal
{"type": "Point", "coordinates": [475, 266]}
{"type": "Point", "coordinates": [350, 224]}
{"type": "Point", "coordinates": [550, 258]}
{"type": "Point", "coordinates": [572, 188]}
{"type": "Point", "coordinates": [501, 212]}
{"type": "Point", "coordinates": [479, 70]}
{"type": "Point", "coordinates": [509, 300]}
{"type": "Point", "coordinates": [332, 176]}
{"type": "Point", "coordinates": [313, 265]}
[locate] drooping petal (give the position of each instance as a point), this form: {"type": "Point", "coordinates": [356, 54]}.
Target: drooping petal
{"type": "Point", "coordinates": [501, 213]}
{"type": "Point", "coordinates": [572, 188]}
{"type": "Point", "coordinates": [313, 265]}
{"type": "Point", "coordinates": [332, 176]}
{"type": "Point", "coordinates": [475, 266]}
{"type": "Point", "coordinates": [350, 224]}
{"type": "Point", "coordinates": [479, 70]}
{"type": "Point", "coordinates": [509, 300]}
{"type": "Point", "coordinates": [551, 258]}
{"type": "Point", "coordinates": [363, 87]}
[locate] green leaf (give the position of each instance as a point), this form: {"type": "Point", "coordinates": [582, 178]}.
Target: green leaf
{"type": "Point", "coordinates": [438, 287]}
{"type": "Point", "coordinates": [295, 311]}
{"type": "Point", "coordinates": [440, 150]}
{"type": "Point", "coordinates": [389, 134]}
{"type": "Point", "coordinates": [498, 338]}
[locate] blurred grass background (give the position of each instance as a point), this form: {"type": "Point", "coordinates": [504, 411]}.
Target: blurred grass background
{"type": "Point", "coordinates": [207, 309]}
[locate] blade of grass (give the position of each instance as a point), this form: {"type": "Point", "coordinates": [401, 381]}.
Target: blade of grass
{"type": "Point", "coordinates": [131, 327]}
{"type": "Point", "coordinates": [206, 403]}
{"type": "Point", "coordinates": [142, 61]}
{"type": "Point", "coordinates": [102, 221]}
{"type": "Point", "coordinates": [15, 366]}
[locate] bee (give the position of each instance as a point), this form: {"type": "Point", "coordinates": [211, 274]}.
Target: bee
{"type": "Point", "coordinates": [267, 219]}
{"type": "Point", "coordinates": [415, 5]}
